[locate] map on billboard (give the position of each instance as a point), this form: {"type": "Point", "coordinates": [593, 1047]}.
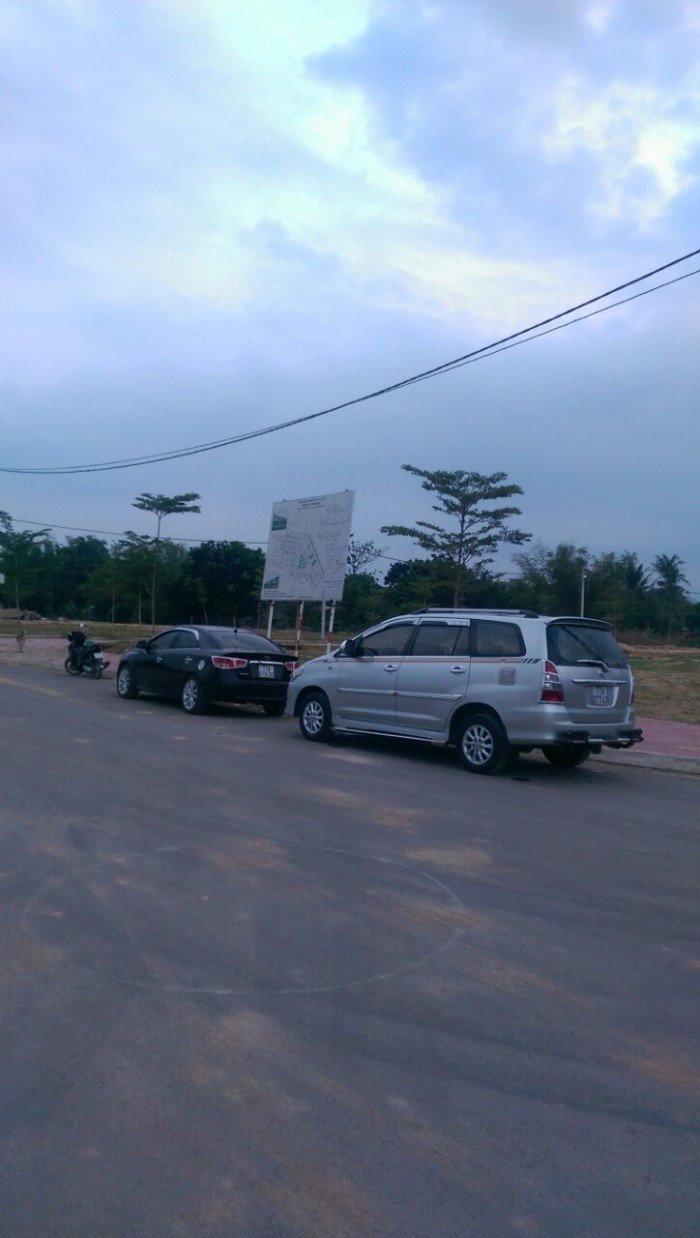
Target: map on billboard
{"type": "Point", "coordinates": [307, 548]}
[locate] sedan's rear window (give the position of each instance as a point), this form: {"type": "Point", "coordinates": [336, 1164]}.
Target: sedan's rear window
{"type": "Point", "coordinates": [230, 638]}
{"type": "Point", "coordinates": [574, 644]}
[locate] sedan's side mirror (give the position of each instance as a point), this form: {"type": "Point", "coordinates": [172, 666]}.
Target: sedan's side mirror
{"type": "Point", "coordinates": [142, 644]}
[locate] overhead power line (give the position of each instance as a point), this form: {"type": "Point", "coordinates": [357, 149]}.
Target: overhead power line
{"type": "Point", "coordinates": [524, 336]}
{"type": "Point", "coordinates": [74, 528]}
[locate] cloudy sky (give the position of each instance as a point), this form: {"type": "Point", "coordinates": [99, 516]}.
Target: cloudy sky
{"type": "Point", "coordinates": [221, 215]}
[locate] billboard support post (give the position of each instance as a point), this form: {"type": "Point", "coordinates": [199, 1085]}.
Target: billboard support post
{"type": "Point", "coordinates": [331, 624]}
{"type": "Point", "coordinates": [269, 620]}
{"type": "Point", "coordinates": [300, 623]}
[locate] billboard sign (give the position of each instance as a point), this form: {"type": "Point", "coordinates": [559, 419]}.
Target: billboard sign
{"type": "Point", "coordinates": [307, 549]}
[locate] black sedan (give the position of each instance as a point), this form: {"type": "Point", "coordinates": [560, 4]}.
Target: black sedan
{"type": "Point", "coordinates": [199, 665]}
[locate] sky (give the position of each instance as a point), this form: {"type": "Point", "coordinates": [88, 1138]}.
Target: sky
{"type": "Point", "coordinates": [218, 216]}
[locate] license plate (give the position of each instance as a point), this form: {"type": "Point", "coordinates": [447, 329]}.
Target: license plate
{"type": "Point", "coordinates": [600, 696]}
{"type": "Point", "coordinates": [266, 672]}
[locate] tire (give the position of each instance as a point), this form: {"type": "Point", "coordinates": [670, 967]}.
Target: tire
{"type": "Point", "coordinates": [566, 756]}
{"type": "Point", "coordinates": [72, 669]}
{"type": "Point", "coordinates": [315, 718]}
{"type": "Point", "coordinates": [193, 697]}
{"type": "Point", "coordinates": [482, 744]}
{"type": "Point", "coordinates": [274, 709]}
{"type": "Point", "coordinates": [126, 683]}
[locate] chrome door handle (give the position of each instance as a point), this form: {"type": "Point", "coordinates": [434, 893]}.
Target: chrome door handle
{"type": "Point", "coordinates": [458, 670]}
{"type": "Point", "coordinates": [390, 666]}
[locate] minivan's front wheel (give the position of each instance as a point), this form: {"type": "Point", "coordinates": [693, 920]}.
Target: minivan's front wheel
{"type": "Point", "coordinates": [482, 744]}
{"type": "Point", "coordinates": [566, 756]}
{"type": "Point", "coordinates": [315, 718]}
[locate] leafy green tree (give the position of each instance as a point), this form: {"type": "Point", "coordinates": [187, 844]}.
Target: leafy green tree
{"type": "Point", "coordinates": [363, 602]}
{"type": "Point", "coordinates": [162, 505]}
{"type": "Point", "coordinates": [669, 581]}
{"type": "Point", "coordinates": [74, 566]}
{"type": "Point", "coordinates": [20, 559]}
{"type": "Point", "coordinates": [466, 499]}
{"type": "Point", "coordinates": [133, 556]}
{"type": "Point", "coordinates": [550, 580]}
{"type": "Point", "coordinates": [221, 580]}
{"type": "Point", "coordinates": [417, 583]}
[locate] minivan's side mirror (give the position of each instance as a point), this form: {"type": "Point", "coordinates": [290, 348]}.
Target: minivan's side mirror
{"type": "Point", "coordinates": [347, 648]}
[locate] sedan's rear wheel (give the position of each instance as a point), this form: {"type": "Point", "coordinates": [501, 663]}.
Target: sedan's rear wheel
{"type": "Point", "coordinates": [482, 744]}
{"type": "Point", "coordinates": [566, 756]}
{"type": "Point", "coordinates": [315, 718]}
{"type": "Point", "coordinates": [193, 697]}
{"type": "Point", "coordinates": [126, 683]}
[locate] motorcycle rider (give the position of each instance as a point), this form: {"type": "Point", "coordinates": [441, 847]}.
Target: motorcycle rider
{"type": "Point", "coordinates": [77, 640]}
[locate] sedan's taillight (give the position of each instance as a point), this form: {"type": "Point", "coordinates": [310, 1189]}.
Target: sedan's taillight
{"type": "Point", "coordinates": [552, 686]}
{"type": "Point", "coordinates": [229, 664]}
{"type": "Point", "coordinates": [290, 666]}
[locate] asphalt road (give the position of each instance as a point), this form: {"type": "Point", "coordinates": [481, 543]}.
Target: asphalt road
{"type": "Point", "coordinates": [255, 986]}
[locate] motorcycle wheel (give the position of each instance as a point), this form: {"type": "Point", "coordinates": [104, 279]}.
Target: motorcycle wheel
{"type": "Point", "coordinates": [72, 669]}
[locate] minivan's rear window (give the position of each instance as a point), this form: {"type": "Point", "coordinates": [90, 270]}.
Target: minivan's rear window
{"type": "Point", "coordinates": [494, 639]}
{"type": "Point", "coordinates": [575, 644]}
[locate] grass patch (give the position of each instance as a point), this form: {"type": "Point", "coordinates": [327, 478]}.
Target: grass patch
{"type": "Point", "coordinates": [668, 684]}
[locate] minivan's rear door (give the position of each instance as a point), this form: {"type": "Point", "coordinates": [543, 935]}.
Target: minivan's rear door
{"type": "Point", "coordinates": [594, 672]}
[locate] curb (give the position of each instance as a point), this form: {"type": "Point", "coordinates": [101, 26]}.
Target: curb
{"type": "Point", "coordinates": [651, 760]}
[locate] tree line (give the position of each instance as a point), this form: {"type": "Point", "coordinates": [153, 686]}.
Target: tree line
{"type": "Point", "coordinates": [153, 579]}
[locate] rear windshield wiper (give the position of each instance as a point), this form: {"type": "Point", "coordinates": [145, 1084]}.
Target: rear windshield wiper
{"type": "Point", "coordinates": [593, 662]}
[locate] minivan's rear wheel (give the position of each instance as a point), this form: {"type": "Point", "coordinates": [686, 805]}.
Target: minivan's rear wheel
{"type": "Point", "coordinates": [315, 718]}
{"type": "Point", "coordinates": [193, 697]}
{"type": "Point", "coordinates": [566, 756]}
{"type": "Point", "coordinates": [482, 744]}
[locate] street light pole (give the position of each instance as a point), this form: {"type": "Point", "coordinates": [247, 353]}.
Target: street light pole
{"type": "Point", "coordinates": [584, 576]}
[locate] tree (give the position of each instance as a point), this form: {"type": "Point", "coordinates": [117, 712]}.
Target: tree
{"type": "Point", "coordinates": [162, 505]}
{"type": "Point", "coordinates": [669, 582]}
{"type": "Point", "coordinates": [20, 558]}
{"type": "Point", "coordinates": [361, 554]}
{"type": "Point", "coordinates": [480, 529]}
{"type": "Point", "coordinates": [224, 578]}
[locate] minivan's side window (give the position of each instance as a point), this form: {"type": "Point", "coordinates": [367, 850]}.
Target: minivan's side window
{"type": "Point", "coordinates": [493, 639]}
{"type": "Point", "coordinates": [390, 642]}
{"type": "Point", "coordinates": [434, 640]}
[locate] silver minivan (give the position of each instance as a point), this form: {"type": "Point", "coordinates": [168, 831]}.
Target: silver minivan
{"type": "Point", "coordinates": [490, 682]}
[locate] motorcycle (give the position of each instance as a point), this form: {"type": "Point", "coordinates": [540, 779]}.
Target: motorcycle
{"type": "Point", "coordinates": [85, 658]}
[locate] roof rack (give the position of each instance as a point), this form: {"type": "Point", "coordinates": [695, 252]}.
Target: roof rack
{"type": "Point", "coordinates": [474, 610]}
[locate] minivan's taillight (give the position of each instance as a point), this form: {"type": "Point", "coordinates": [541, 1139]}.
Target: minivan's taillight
{"type": "Point", "coordinates": [290, 666]}
{"type": "Point", "coordinates": [229, 664]}
{"type": "Point", "coordinates": [552, 686]}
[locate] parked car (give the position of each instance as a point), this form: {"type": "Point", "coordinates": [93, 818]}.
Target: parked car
{"type": "Point", "coordinates": [199, 665]}
{"type": "Point", "coordinates": [491, 683]}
